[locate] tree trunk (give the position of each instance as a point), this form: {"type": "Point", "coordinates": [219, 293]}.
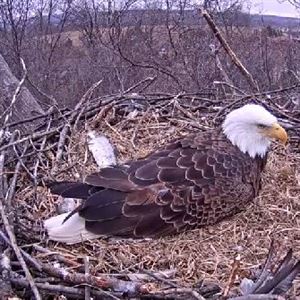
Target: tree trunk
{"type": "Point", "coordinates": [25, 106]}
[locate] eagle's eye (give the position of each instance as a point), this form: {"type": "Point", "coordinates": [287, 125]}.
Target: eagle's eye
{"type": "Point", "coordinates": [262, 126]}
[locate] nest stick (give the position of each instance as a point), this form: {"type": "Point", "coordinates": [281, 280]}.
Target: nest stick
{"type": "Point", "coordinates": [12, 188]}
{"type": "Point", "coordinates": [33, 136]}
{"type": "Point", "coordinates": [67, 126]}
{"type": "Point", "coordinates": [17, 251]}
{"type": "Point", "coordinates": [258, 297]}
{"type": "Point", "coordinates": [5, 274]}
{"type": "Point", "coordinates": [148, 80]}
{"type": "Point", "coordinates": [87, 289]}
{"type": "Point", "coordinates": [159, 277]}
{"type": "Point", "coordinates": [8, 112]}
{"type": "Point", "coordinates": [233, 274]}
{"type": "Point", "coordinates": [117, 285]}
{"type": "Point", "coordinates": [32, 261]}
{"type": "Point", "coordinates": [2, 178]}
{"type": "Point", "coordinates": [183, 290]}
{"type": "Point", "coordinates": [66, 290]}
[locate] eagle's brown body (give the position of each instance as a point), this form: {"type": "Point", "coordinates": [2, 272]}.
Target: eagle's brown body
{"type": "Point", "coordinates": [192, 182]}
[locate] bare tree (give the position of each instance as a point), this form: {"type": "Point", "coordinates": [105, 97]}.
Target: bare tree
{"type": "Point", "coordinates": [67, 45]}
{"type": "Point", "coordinates": [296, 3]}
{"type": "Point", "coordinates": [14, 15]}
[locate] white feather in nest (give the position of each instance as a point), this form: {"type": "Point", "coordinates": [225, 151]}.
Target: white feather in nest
{"type": "Point", "coordinates": [73, 230]}
{"type": "Point", "coordinates": [101, 149]}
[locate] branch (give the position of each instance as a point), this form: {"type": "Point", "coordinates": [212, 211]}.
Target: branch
{"type": "Point", "coordinates": [117, 285]}
{"type": "Point", "coordinates": [228, 49]}
{"type": "Point", "coordinates": [87, 289]}
{"type": "Point", "coordinates": [33, 136]}
{"type": "Point", "coordinates": [175, 291]}
{"type": "Point", "coordinates": [66, 290]}
{"type": "Point", "coordinates": [17, 251]}
{"type": "Point", "coordinates": [258, 297]}
{"type": "Point", "coordinates": [232, 276]}
{"type": "Point", "coordinates": [8, 112]}
{"type": "Point", "coordinates": [5, 271]}
{"type": "Point", "coordinates": [66, 128]}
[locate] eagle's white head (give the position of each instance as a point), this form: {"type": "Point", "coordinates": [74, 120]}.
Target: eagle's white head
{"type": "Point", "coordinates": [252, 128]}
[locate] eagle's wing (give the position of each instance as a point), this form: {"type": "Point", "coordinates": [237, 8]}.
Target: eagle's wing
{"type": "Point", "coordinates": [190, 183]}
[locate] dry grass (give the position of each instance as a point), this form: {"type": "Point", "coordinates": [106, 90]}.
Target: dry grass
{"type": "Point", "coordinates": [201, 254]}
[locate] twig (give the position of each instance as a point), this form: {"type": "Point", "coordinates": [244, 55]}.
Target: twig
{"type": "Point", "coordinates": [148, 80]}
{"type": "Point", "coordinates": [5, 270]}
{"type": "Point", "coordinates": [104, 110]}
{"type": "Point", "coordinates": [20, 160]}
{"type": "Point", "coordinates": [220, 67]}
{"type": "Point", "coordinates": [228, 49]}
{"type": "Point", "coordinates": [11, 191]}
{"type": "Point", "coordinates": [32, 154]}
{"type": "Point", "coordinates": [254, 96]}
{"type": "Point", "coordinates": [175, 291]}
{"type": "Point", "coordinates": [18, 252]}
{"type": "Point", "coordinates": [60, 148]}
{"type": "Point", "coordinates": [33, 136]}
{"type": "Point", "coordinates": [38, 160]}
{"type": "Point", "coordinates": [258, 297]}
{"type": "Point", "coordinates": [54, 289]}
{"type": "Point", "coordinates": [8, 112]}
{"type": "Point", "coordinates": [67, 126]}
{"type": "Point", "coordinates": [159, 277]}
{"type": "Point", "coordinates": [232, 276]}
{"type": "Point", "coordinates": [32, 261]}
{"type": "Point", "coordinates": [117, 285]}
{"type": "Point", "coordinates": [49, 97]}
{"type": "Point", "coordinates": [231, 86]}
{"type": "Point", "coordinates": [88, 94]}
{"type": "Point", "coordinates": [40, 116]}
{"type": "Point", "coordinates": [55, 255]}
{"type": "Point", "coordinates": [87, 289]}
{"type": "Point", "coordinates": [137, 127]}
{"type": "Point", "coordinates": [2, 178]}
{"type": "Point", "coordinates": [229, 105]}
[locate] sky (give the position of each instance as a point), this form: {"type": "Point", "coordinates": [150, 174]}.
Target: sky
{"type": "Point", "coordinates": [274, 7]}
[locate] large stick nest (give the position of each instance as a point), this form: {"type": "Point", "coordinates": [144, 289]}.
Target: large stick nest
{"type": "Point", "coordinates": [135, 124]}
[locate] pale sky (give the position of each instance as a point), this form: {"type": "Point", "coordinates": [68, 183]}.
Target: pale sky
{"type": "Point", "coordinates": [274, 7]}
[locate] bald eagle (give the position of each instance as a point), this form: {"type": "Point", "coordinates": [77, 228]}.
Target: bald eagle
{"type": "Point", "coordinates": [194, 181]}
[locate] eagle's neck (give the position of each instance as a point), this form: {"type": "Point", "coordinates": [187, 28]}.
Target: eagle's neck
{"type": "Point", "coordinates": [247, 139]}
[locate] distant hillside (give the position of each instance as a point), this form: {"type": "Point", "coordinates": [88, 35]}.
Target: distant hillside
{"type": "Point", "coordinates": [274, 21]}
{"type": "Point", "coordinates": [158, 17]}
{"type": "Point", "coordinates": [191, 17]}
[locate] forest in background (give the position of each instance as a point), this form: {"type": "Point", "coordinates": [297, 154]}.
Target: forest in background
{"type": "Point", "coordinates": [69, 45]}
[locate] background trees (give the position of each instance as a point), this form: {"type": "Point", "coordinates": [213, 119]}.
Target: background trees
{"type": "Point", "coordinates": [67, 45]}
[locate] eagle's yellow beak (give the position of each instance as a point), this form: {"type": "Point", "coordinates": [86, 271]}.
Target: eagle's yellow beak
{"type": "Point", "coordinates": [276, 132]}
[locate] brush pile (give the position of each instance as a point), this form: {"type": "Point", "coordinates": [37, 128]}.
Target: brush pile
{"type": "Point", "coordinates": [202, 264]}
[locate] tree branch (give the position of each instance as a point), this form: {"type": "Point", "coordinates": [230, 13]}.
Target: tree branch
{"type": "Point", "coordinates": [228, 49]}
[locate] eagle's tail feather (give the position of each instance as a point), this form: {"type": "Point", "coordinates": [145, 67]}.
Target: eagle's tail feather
{"type": "Point", "coordinates": [69, 189]}
{"type": "Point", "coordinates": [71, 231]}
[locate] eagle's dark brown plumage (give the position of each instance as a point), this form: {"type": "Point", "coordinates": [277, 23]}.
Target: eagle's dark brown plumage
{"type": "Point", "coordinates": [191, 182]}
